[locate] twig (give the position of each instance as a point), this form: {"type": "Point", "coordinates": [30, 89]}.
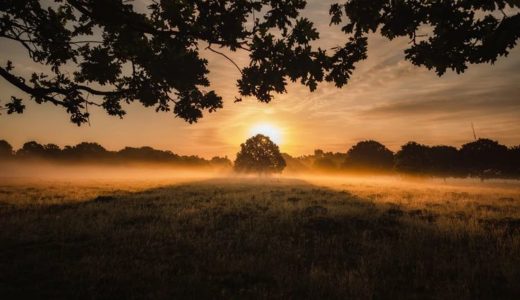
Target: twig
{"type": "Point", "coordinates": [227, 57]}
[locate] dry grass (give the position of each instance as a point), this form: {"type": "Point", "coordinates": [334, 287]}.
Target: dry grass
{"type": "Point", "coordinates": [260, 238]}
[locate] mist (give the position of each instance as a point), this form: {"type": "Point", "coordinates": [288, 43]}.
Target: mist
{"type": "Point", "coordinates": [154, 174]}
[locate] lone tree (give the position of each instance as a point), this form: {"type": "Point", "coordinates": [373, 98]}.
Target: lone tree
{"type": "Point", "coordinates": [120, 54]}
{"type": "Point", "coordinates": [259, 155]}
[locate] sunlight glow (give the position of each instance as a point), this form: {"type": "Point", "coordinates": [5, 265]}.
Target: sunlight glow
{"type": "Point", "coordinates": [268, 130]}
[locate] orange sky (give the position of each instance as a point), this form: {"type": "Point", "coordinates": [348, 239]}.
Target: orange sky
{"type": "Point", "coordinates": [388, 100]}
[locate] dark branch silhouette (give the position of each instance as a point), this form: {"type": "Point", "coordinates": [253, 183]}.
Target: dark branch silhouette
{"type": "Point", "coordinates": [122, 55]}
{"type": "Point", "coordinates": [443, 34]}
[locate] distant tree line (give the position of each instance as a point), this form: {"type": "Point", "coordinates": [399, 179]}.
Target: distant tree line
{"type": "Point", "coordinates": [482, 158]}
{"type": "Point", "coordinates": [95, 153]}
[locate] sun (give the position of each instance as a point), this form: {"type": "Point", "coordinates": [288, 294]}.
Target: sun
{"type": "Point", "coordinates": [268, 130]}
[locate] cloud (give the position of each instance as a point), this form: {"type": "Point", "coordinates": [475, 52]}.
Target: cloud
{"type": "Point", "coordinates": [433, 105]}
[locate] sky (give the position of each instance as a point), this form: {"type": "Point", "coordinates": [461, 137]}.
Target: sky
{"type": "Point", "coordinates": [388, 100]}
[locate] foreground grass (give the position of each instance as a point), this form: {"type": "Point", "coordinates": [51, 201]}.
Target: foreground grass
{"type": "Point", "coordinates": [258, 239]}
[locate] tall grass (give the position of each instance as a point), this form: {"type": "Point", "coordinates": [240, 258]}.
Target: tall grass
{"type": "Point", "coordinates": [260, 238]}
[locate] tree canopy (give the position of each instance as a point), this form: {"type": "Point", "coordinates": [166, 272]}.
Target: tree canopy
{"type": "Point", "coordinates": [484, 155]}
{"type": "Point", "coordinates": [370, 155]}
{"type": "Point", "coordinates": [119, 54]}
{"type": "Point", "coordinates": [259, 155]}
{"type": "Point", "coordinates": [444, 34]}
{"type": "Point", "coordinates": [412, 158]}
{"type": "Point", "coordinates": [6, 150]}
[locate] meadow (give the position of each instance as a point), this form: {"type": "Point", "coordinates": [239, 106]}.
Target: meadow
{"type": "Point", "coordinates": [209, 236]}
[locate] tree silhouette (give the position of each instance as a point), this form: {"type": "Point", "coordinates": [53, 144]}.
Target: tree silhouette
{"type": "Point", "coordinates": [31, 149]}
{"type": "Point", "coordinates": [146, 154]}
{"type": "Point", "coordinates": [444, 161]}
{"type": "Point", "coordinates": [120, 55]}
{"type": "Point", "coordinates": [413, 158]}
{"type": "Point", "coordinates": [328, 161]}
{"type": "Point", "coordinates": [443, 34]}
{"type": "Point", "coordinates": [484, 157]}
{"type": "Point", "coordinates": [259, 155]}
{"type": "Point", "coordinates": [86, 151]}
{"type": "Point", "coordinates": [294, 164]}
{"type": "Point", "coordinates": [514, 157]}
{"type": "Point", "coordinates": [6, 150]}
{"type": "Point", "coordinates": [325, 163]}
{"type": "Point", "coordinates": [370, 155]}
{"type": "Point", "coordinates": [222, 162]}
{"type": "Point", "coordinates": [52, 151]}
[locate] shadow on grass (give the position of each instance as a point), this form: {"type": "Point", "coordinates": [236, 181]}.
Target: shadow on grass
{"type": "Point", "coordinates": [249, 239]}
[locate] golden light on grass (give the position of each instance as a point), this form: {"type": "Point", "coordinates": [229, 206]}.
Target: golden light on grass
{"type": "Point", "coordinates": [267, 129]}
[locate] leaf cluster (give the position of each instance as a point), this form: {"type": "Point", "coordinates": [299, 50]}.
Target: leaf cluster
{"type": "Point", "coordinates": [120, 54]}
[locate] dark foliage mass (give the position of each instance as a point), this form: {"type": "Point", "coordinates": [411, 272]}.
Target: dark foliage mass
{"type": "Point", "coordinates": [259, 155]}
{"type": "Point", "coordinates": [110, 49]}
{"type": "Point", "coordinates": [485, 155]}
{"type": "Point", "coordinates": [119, 53]}
{"type": "Point", "coordinates": [444, 34]}
{"type": "Point", "coordinates": [369, 155]}
{"type": "Point", "coordinates": [326, 161]}
{"type": "Point", "coordinates": [6, 150]}
{"type": "Point", "coordinates": [95, 153]}
{"type": "Point", "coordinates": [412, 158]}
{"type": "Point", "coordinates": [482, 158]}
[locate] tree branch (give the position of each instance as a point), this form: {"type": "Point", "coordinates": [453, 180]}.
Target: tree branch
{"type": "Point", "coordinates": [98, 93]}
{"type": "Point", "coordinates": [44, 92]}
{"type": "Point", "coordinates": [29, 90]}
{"type": "Point", "coordinates": [128, 20]}
{"type": "Point", "coordinates": [227, 57]}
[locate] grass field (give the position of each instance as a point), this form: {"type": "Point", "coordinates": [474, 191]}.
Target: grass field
{"type": "Point", "coordinates": [232, 238]}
